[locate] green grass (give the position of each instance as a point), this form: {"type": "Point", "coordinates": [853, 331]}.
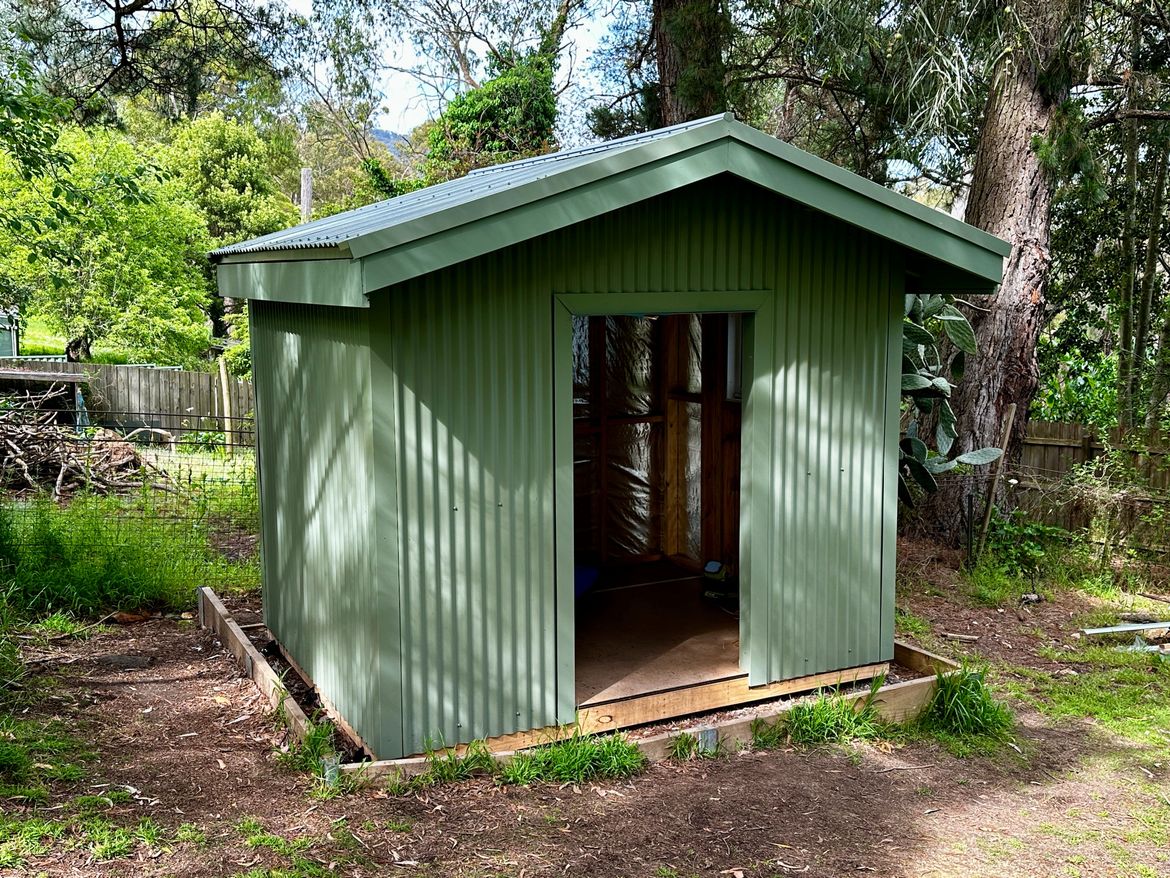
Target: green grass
{"type": "Point", "coordinates": [964, 716]}
{"type": "Point", "coordinates": [306, 754]}
{"type": "Point", "coordinates": [768, 735]}
{"type": "Point", "coordinates": [295, 850]}
{"type": "Point", "coordinates": [34, 754]}
{"type": "Point", "coordinates": [1125, 693]}
{"type": "Point", "coordinates": [907, 623]}
{"type": "Point", "coordinates": [686, 745]}
{"type": "Point", "coordinates": [991, 585]}
{"type": "Point", "coordinates": [104, 553]}
{"type": "Point", "coordinates": [190, 833]}
{"type": "Point", "coordinates": [831, 718]}
{"type": "Point", "coordinates": [574, 760]}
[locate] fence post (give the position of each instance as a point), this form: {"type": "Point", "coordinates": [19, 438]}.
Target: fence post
{"type": "Point", "coordinates": [226, 395]}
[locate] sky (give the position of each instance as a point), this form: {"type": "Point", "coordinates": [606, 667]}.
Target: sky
{"type": "Point", "coordinates": [405, 104]}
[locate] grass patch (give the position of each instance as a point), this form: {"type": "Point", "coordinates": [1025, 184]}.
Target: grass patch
{"type": "Point", "coordinates": [686, 745]}
{"type": "Point", "coordinates": [909, 624]}
{"type": "Point", "coordinates": [768, 735]}
{"type": "Point", "coordinates": [101, 553]}
{"type": "Point", "coordinates": [832, 718]}
{"type": "Point", "coordinates": [1126, 693]}
{"type": "Point", "coordinates": [574, 760]}
{"type": "Point", "coordinates": [964, 716]}
{"type": "Point", "coordinates": [307, 754]}
{"type": "Point", "coordinates": [294, 850]}
{"type": "Point", "coordinates": [447, 765]}
{"type": "Point", "coordinates": [190, 833]}
{"type": "Point", "coordinates": [34, 754]}
{"type": "Point", "coordinates": [990, 584]}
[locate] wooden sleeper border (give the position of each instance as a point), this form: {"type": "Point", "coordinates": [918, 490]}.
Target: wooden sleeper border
{"type": "Point", "coordinates": [895, 702]}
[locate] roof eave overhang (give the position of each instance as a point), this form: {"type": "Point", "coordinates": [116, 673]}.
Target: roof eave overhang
{"type": "Point", "coordinates": [944, 253]}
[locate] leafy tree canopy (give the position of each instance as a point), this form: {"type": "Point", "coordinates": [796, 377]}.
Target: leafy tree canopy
{"type": "Point", "coordinates": [222, 166]}
{"type": "Point", "coordinates": [135, 275]}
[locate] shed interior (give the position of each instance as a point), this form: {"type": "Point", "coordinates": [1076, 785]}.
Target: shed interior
{"type": "Point", "coordinates": [656, 421]}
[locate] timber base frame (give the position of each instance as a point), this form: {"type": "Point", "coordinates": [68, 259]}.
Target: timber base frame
{"type": "Point", "coordinates": [895, 702]}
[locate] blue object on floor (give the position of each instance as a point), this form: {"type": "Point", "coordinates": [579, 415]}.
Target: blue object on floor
{"type": "Point", "coordinates": [584, 578]}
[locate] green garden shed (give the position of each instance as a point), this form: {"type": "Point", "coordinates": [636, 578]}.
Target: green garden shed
{"type": "Point", "coordinates": [606, 434]}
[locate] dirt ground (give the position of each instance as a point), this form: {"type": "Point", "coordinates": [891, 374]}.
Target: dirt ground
{"type": "Point", "coordinates": [176, 725]}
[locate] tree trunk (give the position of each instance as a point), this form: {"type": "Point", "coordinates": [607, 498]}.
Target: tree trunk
{"type": "Point", "coordinates": [1159, 405]}
{"type": "Point", "coordinates": [1011, 196]}
{"type": "Point", "coordinates": [1149, 276]}
{"type": "Point", "coordinates": [1125, 297]}
{"type": "Point", "coordinates": [78, 349]}
{"type": "Point", "coordinates": [689, 38]}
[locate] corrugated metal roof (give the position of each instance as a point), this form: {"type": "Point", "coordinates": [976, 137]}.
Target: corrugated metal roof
{"type": "Point", "coordinates": [338, 230]}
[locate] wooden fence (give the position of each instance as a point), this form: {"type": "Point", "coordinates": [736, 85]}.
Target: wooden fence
{"type": "Point", "coordinates": [1052, 449]}
{"type": "Point", "coordinates": [177, 401]}
{"type": "Point", "coordinates": [1131, 512]}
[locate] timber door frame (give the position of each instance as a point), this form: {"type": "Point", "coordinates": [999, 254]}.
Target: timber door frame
{"type": "Point", "coordinates": [756, 433]}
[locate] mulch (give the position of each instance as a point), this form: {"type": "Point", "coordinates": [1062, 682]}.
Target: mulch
{"type": "Point", "coordinates": [175, 723]}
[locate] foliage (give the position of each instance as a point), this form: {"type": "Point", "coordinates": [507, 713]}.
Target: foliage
{"type": "Point", "coordinates": [222, 167]}
{"type": "Point", "coordinates": [104, 553]}
{"type": "Point", "coordinates": [927, 377]}
{"type": "Point", "coordinates": [181, 55]}
{"type": "Point", "coordinates": [510, 116]}
{"type": "Point", "coordinates": [134, 272]}
{"type": "Point", "coordinates": [1022, 546]}
{"type": "Point", "coordinates": [963, 714]}
{"type": "Point", "coordinates": [1075, 388]}
{"type": "Point", "coordinates": [238, 356]}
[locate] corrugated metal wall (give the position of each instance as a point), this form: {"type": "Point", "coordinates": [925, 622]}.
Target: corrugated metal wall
{"type": "Point", "coordinates": [461, 372]}
{"type": "Point", "coordinates": [315, 439]}
{"type": "Point", "coordinates": [468, 358]}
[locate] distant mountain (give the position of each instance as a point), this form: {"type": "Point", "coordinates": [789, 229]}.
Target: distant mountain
{"type": "Point", "coordinates": [392, 139]}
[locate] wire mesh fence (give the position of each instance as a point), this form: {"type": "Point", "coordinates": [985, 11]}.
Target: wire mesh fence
{"type": "Point", "coordinates": [96, 516]}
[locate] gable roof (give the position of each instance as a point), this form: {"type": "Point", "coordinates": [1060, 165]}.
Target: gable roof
{"type": "Point", "coordinates": [454, 221]}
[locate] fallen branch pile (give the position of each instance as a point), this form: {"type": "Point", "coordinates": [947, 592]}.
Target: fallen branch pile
{"type": "Point", "coordinates": [38, 452]}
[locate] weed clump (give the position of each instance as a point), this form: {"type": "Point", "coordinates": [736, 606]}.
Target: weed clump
{"type": "Point", "coordinates": [575, 759]}
{"type": "Point", "coordinates": [831, 718]}
{"type": "Point", "coordinates": [102, 553]}
{"type": "Point", "coordinates": [964, 716]}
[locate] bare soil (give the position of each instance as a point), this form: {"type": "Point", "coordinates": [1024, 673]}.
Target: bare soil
{"type": "Point", "coordinates": [192, 740]}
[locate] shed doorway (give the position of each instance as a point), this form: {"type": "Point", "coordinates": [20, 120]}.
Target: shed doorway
{"type": "Point", "coordinates": [657, 426]}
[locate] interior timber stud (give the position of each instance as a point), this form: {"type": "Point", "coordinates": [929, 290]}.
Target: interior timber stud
{"type": "Point", "coordinates": [673, 380]}
{"type": "Point", "coordinates": [597, 360]}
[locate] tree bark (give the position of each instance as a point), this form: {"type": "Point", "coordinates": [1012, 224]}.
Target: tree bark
{"type": "Point", "coordinates": [1159, 405]}
{"type": "Point", "coordinates": [1011, 197]}
{"type": "Point", "coordinates": [1149, 277]}
{"type": "Point", "coordinates": [1125, 297]}
{"type": "Point", "coordinates": [78, 349]}
{"type": "Point", "coordinates": [689, 38]}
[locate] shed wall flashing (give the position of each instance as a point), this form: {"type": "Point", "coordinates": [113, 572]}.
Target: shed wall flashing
{"type": "Point", "coordinates": [336, 282]}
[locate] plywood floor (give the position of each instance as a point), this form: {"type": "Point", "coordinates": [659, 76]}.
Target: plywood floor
{"type": "Point", "coordinates": [636, 639]}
